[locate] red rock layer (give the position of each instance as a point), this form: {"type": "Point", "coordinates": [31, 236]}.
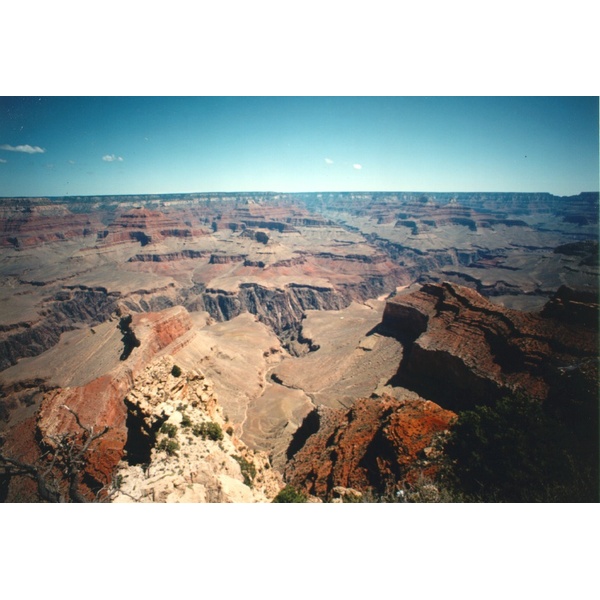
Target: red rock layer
{"type": "Point", "coordinates": [144, 226]}
{"type": "Point", "coordinates": [37, 225]}
{"type": "Point", "coordinates": [375, 445]}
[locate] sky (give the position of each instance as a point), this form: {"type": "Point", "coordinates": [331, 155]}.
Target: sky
{"type": "Point", "coordinates": [59, 146]}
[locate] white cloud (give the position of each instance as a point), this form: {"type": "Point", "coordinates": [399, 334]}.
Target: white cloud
{"type": "Point", "coordinates": [112, 158]}
{"type": "Point", "coordinates": [22, 148]}
{"type": "Point", "coordinates": [2, 160]}
{"type": "Point", "coordinates": [357, 166]}
{"type": "Point", "coordinates": [328, 161]}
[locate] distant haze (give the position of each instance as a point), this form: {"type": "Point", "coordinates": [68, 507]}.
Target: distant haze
{"type": "Point", "coordinates": [143, 145]}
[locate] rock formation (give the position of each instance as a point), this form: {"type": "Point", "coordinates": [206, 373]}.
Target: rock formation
{"type": "Point", "coordinates": [143, 226]}
{"type": "Point", "coordinates": [38, 223]}
{"type": "Point", "coordinates": [180, 447]}
{"type": "Point", "coordinates": [377, 445]}
{"type": "Point", "coordinates": [85, 310]}
{"type": "Point", "coordinates": [461, 350]}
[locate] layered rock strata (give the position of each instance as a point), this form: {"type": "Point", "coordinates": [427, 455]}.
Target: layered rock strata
{"type": "Point", "coordinates": [39, 223]}
{"type": "Point", "coordinates": [461, 350]}
{"type": "Point", "coordinates": [99, 403]}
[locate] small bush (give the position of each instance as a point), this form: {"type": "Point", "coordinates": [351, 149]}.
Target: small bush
{"type": "Point", "coordinates": [289, 494]}
{"type": "Point", "coordinates": [248, 470]}
{"type": "Point", "coordinates": [169, 446]}
{"type": "Point", "coordinates": [209, 430]}
{"type": "Point", "coordinates": [176, 371]}
{"type": "Point", "coordinates": [186, 421]}
{"type": "Point", "coordinates": [169, 429]}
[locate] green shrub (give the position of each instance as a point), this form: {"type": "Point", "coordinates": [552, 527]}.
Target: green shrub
{"type": "Point", "coordinates": [186, 421]}
{"type": "Point", "coordinates": [168, 429]}
{"type": "Point", "coordinates": [289, 494]}
{"type": "Point", "coordinates": [169, 446]}
{"type": "Point", "coordinates": [248, 470]}
{"type": "Point", "coordinates": [515, 451]}
{"type": "Point", "coordinates": [176, 371]}
{"type": "Point", "coordinates": [209, 430]}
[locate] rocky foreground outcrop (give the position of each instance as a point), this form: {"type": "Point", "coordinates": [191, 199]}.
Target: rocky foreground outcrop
{"type": "Point", "coordinates": [373, 446]}
{"type": "Point", "coordinates": [180, 448]}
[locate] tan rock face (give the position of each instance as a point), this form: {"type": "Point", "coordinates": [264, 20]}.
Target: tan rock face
{"type": "Point", "coordinates": [167, 439]}
{"type": "Point", "coordinates": [375, 445]}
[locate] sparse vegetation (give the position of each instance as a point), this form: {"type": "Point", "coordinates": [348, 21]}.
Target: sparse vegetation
{"type": "Point", "coordinates": [210, 430]}
{"type": "Point", "coordinates": [169, 429]}
{"type": "Point", "coordinates": [169, 446]}
{"type": "Point", "coordinates": [289, 494]}
{"type": "Point", "coordinates": [516, 451]}
{"type": "Point", "coordinates": [248, 470]}
{"type": "Point", "coordinates": [186, 421]}
{"type": "Point", "coordinates": [60, 470]}
{"type": "Point", "coordinates": [176, 371]}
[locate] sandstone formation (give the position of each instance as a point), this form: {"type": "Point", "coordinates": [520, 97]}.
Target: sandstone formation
{"type": "Point", "coordinates": [143, 226]}
{"type": "Point", "coordinates": [36, 223]}
{"type": "Point", "coordinates": [460, 351]}
{"type": "Point", "coordinates": [99, 403]}
{"type": "Point", "coordinates": [133, 401]}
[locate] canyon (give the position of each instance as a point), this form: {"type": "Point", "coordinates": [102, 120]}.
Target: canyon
{"type": "Point", "coordinates": [333, 338]}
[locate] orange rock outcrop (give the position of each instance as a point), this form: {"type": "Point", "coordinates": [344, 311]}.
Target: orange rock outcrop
{"type": "Point", "coordinates": [376, 444]}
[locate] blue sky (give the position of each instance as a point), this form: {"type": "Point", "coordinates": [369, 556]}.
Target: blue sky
{"type": "Point", "coordinates": [111, 145]}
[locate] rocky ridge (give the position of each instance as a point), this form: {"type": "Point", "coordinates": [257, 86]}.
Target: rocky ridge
{"type": "Point", "coordinates": [460, 351]}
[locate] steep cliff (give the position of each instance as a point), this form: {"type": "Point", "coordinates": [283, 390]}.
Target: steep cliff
{"type": "Point", "coordinates": [61, 312]}
{"type": "Point", "coordinates": [40, 222]}
{"type": "Point", "coordinates": [99, 403]}
{"type": "Point", "coordinates": [144, 226]}
{"type": "Point", "coordinates": [461, 350]}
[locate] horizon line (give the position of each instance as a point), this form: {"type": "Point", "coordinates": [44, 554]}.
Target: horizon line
{"type": "Point", "coordinates": [271, 192]}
